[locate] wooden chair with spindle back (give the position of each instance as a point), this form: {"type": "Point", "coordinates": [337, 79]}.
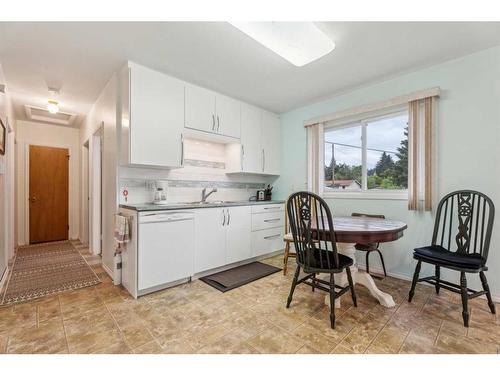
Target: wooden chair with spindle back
{"type": "Point", "coordinates": [311, 224]}
{"type": "Point", "coordinates": [460, 242]}
{"type": "Point", "coordinates": [370, 247]}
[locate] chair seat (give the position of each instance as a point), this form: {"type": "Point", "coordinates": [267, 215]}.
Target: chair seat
{"type": "Point", "coordinates": [320, 254]}
{"type": "Point", "coordinates": [446, 257]}
{"type": "Point", "coordinates": [288, 237]}
{"type": "Point", "coordinates": [366, 246]}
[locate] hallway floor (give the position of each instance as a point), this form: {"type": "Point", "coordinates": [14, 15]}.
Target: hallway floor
{"type": "Point", "coordinates": [195, 318]}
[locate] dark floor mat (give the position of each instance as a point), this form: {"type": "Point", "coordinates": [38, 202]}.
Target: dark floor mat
{"type": "Point", "coordinates": [238, 276]}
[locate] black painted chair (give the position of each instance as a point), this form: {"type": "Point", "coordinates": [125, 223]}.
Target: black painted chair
{"type": "Point", "coordinates": [311, 225]}
{"type": "Point", "coordinates": [460, 241]}
{"type": "Point", "coordinates": [370, 247]}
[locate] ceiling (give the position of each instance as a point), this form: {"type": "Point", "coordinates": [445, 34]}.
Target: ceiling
{"type": "Point", "coordinates": [79, 58]}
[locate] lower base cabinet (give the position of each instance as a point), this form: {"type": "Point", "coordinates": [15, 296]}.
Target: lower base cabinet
{"type": "Point", "coordinates": [267, 241]}
{"type": "Point", "coordinates": [210, 234]}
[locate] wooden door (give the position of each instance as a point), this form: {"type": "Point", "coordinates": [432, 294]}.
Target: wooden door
{"type": "Point", "coordinates": [48, 194]}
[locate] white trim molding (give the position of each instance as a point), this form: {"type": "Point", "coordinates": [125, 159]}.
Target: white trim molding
{"type": "Point", "coordinates": [373, 107]}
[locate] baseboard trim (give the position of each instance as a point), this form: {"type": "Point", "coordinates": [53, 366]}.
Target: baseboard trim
{"type": "Point", "coordinates": [108, 271]}
{"type": "Point", "coordinates": [380, 271]}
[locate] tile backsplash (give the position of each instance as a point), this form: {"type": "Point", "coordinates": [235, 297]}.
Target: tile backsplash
{"type": "Point", "coordinates": [204, 166]}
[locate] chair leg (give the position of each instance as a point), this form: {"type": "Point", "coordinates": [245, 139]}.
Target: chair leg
{"type": "Point", "coordinates": [332, 301]}
{"type": "Point", "coordinates": [285, 257]}
{"type": "Point", "coordinates": [313, 281]}
{"type": "Point", "coordinates": [465, 299]}
{"type": "Point", "coordinates": [367, 261]}
{"type": "Point", "coordinates": [351, 285]}
{"type": "Point", "coordinates": [415, 280]}
{"type": "Point", "coordinates": [294, 284]}
{"type": "Point", "coordinates": [486, 288]}
{"type": "Point", "coordinates": [382, 261]}
{"type": "Point", "coordinates": [437, 273]}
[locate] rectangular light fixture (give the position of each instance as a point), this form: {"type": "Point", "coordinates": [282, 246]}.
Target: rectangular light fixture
{"type": "Point", "coordinates": [298, 42]}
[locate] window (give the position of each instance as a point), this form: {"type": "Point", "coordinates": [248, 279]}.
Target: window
{"type": "Point", "coordinates": [367, 155]}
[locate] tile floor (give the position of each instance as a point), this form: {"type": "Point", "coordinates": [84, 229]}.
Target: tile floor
{"type": "Point", "coordinates": [195, 318]}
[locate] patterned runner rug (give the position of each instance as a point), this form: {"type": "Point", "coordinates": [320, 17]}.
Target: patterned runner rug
{"type": "Point", "coordinates": [44, 269]}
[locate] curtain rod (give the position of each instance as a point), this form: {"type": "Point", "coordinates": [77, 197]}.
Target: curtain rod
{"type": "Point", "coordinates": [417, 95]}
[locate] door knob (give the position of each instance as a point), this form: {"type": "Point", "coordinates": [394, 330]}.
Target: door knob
{"type": "Point", "coordinates": [33, 199]}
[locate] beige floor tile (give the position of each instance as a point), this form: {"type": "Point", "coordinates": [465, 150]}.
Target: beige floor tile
{"type": "Point", "coordinates": [306, 349]}
{"type": "Point", "coordinates": [276, 341]}
{"type": "Point", "coordinates": [47, 338]}
{"type": "Point", "coordinates": [310, 335]}
{"type": "Point", "coordinates": [463, 345]}
{"type": "Point", "coordinates": [151, 347]}
{"type": "Point", "coordinates": [388, 341]}
{"type": "Point", "coordinates": [136, 335]}
{"type": "Point", "coordinates": [94, 341]}
{"type": "Point", "coordinates": [232, 343]}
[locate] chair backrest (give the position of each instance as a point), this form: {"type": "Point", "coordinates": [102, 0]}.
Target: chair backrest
{"type": "Point", "coordinates": [464, 221]}
{"type": "Point", "coordinates": [357, 214]}
{"type": "Point", "coordinates": [311, 225]}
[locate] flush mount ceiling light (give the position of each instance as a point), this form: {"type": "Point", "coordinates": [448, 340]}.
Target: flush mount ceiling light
{"type": "Point", "coordinates": [298, 42]}
{"type": "Point", "coordinates": [53, 106]}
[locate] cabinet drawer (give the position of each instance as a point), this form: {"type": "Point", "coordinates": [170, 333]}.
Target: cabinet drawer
{"type": "Point", "coordinates": [260, 208]}
{"type": "Point", "coordinates": [266, 220]}
{"type": "Point", "coordinates": [267, 241]}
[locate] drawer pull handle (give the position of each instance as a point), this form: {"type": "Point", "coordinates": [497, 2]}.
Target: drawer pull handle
{"type": "Point", "coordinates": [272, 208]}
{"type": "Point", "coordinates": [271, 220]}
{"type": "Point", "coordinates": [270, 237]}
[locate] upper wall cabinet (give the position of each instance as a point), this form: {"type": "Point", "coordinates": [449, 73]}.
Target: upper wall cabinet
{"type": "Point", "coordinates": [152, 106]}
{"type": "Point", "coordinates": [260, 150]}
{"type": "Point", "coordinates": [271, 141]}
{"type": "Point", "coordinates": [211, 112]}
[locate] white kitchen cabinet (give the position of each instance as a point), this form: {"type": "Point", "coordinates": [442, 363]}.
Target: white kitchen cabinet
{"type": "Point", "coordinates": [152, 118]}
{"type": "Point", "coordinates": [271, 141]}
{"type": "Point", "coordinates": [200, 109]}
{"type": "Point", "coordinates": [211, 112]}
{"type": "Point", "coordinates": [260, 149]}
{"type": "Point", "coordinates": [223, 236]}
{"type": "Point", "coordinates": [267, 241]}
{"type": "Point", "coordinates": [210, 249]}
{"type": "Point", "coordinates": [228, 116]}
{"type": "Point", "coordinates": [251, 139]}
{"type": "Point", "coordinates": [238, 234]}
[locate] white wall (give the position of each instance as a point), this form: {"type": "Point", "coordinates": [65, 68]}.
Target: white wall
{"type": "Point", "coordinates": [31, 133]}
{"type": "Point", "coordinates": [103, 113]}
{"type": "Point", "coordinates": [468, 132]}
{"type": "Point", "coordinates": [7, 191]}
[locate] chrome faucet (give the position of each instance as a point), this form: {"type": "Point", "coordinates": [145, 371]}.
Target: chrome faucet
{"type": "Point", "coordinates": [204, 194]}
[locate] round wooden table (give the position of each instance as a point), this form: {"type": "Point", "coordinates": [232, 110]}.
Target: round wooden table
{"type": "Point", "coordinates": [351, 230]}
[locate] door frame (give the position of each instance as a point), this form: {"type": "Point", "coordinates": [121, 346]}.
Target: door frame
{"type": "Point", "coordinates": [71, 192]}
{"type": "Point", "coordinates": [95, 190]}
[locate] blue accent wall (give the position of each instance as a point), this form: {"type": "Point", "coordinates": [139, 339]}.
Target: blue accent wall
{"type": "Point", "coordinates": [468, 152]}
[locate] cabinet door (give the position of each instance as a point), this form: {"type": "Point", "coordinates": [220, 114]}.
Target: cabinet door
{"type": "Point", "coordinates": [200, 109]}
{"type": "Point", "coordinates": [228, 116]}
{"type": "Point", "coordinates": [251, 118]}
{"type": "Point", "coordinates": [271, 138]}
{"type": "Point", "coordinates": [210, 239]}
{"type": "Point", "coordinates": [238, 234]}
{"type": "Point", "coordinates": [156, 118]}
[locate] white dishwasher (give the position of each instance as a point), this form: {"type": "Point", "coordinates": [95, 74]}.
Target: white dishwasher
{"type": "Point", "coordinates": [165, 248]}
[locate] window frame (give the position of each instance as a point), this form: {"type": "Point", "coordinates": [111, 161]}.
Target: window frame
{"type": "Point", "coordinates": [362, 120]}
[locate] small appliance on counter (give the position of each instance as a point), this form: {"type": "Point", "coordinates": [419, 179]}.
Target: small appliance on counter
{"type": "Point", "coordinates": [160, 196]}
{"type": "Point", "coordinates": [265, 194]}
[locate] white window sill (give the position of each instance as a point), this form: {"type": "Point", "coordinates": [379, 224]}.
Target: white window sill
{"type": "Point", "coordinates": [373, 195]}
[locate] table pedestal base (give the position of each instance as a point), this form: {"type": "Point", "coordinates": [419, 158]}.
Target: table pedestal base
{"type": "Point", "coordinates": [359, 277]}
